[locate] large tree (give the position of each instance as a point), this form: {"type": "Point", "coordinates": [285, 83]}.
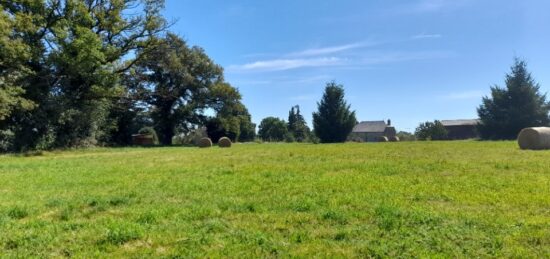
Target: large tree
{"type": "Point", "coordinates": [520, 104]}
{"type": "Point", "coordinates": [13, 69]}
{"type": "Point", "coordinates": [232, 118]}
{"type": "Point", "coordinates": [297, 125]}
{"type": "Point", "coordinates": [77, 51]}
{"type": "Point", "coordinates": [334, 120]}
{"type": "Point", "coordinates": [180, 80]}
{"type": "Point", "coordinates": [272, 129]}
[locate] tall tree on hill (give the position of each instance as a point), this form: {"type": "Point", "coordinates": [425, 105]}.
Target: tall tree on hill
{"type": "Point", "coordinates": [513, 108]}
{"type": "Point", "coordinates": [334, 120]}
{"type": "Point", "coordinates": [297, 125]}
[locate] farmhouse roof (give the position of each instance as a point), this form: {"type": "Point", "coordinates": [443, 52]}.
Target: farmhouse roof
{"type": "Point", "coordinates": [467, 122]}
{"type": "Point", "coordinates": [370, 127]}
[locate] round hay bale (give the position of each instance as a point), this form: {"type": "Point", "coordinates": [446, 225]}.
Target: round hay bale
{"type": "Point", "coordinates": [383, 139]}
{"type": "Point", "coordinates": [534, 138]}
{"type": "Point", "coordinates": [205, 143]}
{"type": "Point", "coordinates": [394, 139]}
{"type": "Point", "coordinates": [224, 142]}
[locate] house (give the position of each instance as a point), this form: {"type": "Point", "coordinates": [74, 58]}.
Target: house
{"type": "Point", "coordinates": [461, 129]}
{"type": "Point", "coordinates": [372, 131]}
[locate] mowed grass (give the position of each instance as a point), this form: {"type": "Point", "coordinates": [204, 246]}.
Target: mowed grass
{"type": "Point", "coordinates": [423, 199]}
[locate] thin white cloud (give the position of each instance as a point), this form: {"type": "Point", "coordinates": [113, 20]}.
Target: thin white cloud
{"type": "Point", "coordinates": [466, 95]}
{"type": "Point", "coordinates": [332, 49]}
{"type": "Point", "coordinates": [286, 64]}
{"type": "Point", "coordinates": [285, 81]}
{"type": "Point", "coordinates": [423, 36]}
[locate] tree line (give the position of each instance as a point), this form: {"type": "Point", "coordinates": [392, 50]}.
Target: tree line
{"type": "Point", "coordinates": [77, 73]}
{"type": "Point", "coordinates": [332, 122]}
{"type": "Point", "coordinates": [504, 113]}
{"type": "Point", "coordinates": [508, 110]}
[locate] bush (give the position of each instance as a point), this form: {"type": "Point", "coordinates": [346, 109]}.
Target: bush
{"type": "Point", "coordinates": [289, 137]}
{"type": "Point", "coordinates": [272, 129]}
{"type": "Point", "coordinates": [406, 136]}
{"type": "Point", "coordinates": [431, 131]}
{"type": "Point", "coordinates": [6, 140]}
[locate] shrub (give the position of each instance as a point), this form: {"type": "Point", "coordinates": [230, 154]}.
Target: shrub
{"type": "Point", "coordinates": [406, 136]}
{"type": "Point", "coordinates": [431, 131]}
{"type": "Point", "coordinates": [289, 137]}
{"type": "Point", "coordinates": [272, 129]}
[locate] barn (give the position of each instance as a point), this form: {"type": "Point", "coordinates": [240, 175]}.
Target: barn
{"type": "Point", "coordinates": [461, 129]}
{"type": "Point", "coordinates": [371, 131]}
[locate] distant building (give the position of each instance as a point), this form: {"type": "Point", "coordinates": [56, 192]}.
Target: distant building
{"type": "Point", "coordinates": [371, 131]}
{"type": "Point", "coordinates": [461, 129]}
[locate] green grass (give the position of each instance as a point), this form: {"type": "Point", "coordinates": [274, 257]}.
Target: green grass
{"type": "Point", "coordinates": [446, 199]}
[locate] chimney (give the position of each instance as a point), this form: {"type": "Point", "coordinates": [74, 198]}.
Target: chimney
{"type": "Point", "coordinates": [389, 122]}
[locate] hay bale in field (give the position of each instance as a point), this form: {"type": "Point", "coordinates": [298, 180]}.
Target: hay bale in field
{"type": "Point", "coordinates": [394, 139]}
{"type": "Point", "coordinates": [224, 142]}
{"type": "Point", "coordinates": [382, 139]}
{"type": "Point", "coordinates": [204, 143]}
{"type": "Point", "coordinates": [534, 138]}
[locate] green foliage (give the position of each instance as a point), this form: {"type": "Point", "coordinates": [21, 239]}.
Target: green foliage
{"type": "Point", "coordinates": [67, 58]}
{"type": "Point", "coordinates": [431, 131]}
{"type": "Point", "coordinates": [18, 213]}
{"type": "Point", "coordinates": [297, 125]}
{"type": "Point", "coordinates": [120, 233]}
{"type": "Point", "coordinates": [289, 137]}
{"type": "Point", "coordinates": [232, 118]}
{"type": "Point", "coordinates": [406, 136]}
{"type": "Point", "coordinates": [334, 120]}
{"type": "Point", "coordinates": [176, 80]}
{"type": "Point", "coordinates": [519, 105]}
{"type": "Point", "coordinates": [272, 129]}
{"type": "Point", "coordinates": [13, 68]}
{"type": "Point", "coordinates": [463, 199]}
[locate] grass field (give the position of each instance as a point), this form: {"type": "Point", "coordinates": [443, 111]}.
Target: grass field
{"type": "Point", "coordinates": [423, 199]}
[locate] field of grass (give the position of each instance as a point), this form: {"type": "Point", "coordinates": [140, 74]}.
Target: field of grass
{"type": "Point", "coordinates": [422, 199]}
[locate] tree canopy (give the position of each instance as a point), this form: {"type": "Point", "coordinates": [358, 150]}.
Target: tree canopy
{"type": "Point", "coordinates": [297, 125]}
{"type": "Point", "coordinates": [334, 120]}
{"type": "Point", "coordinates": [93, 72]}
{"type": "Point", "coordinates": [510, 109]}
{"type": "Point", "coordinates": [431, 131]}
{"type": "Point", "coordinates": [272, 129]}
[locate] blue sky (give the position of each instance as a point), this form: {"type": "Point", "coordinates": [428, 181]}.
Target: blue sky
{"type": "Point", "coordinates": [409, 61]}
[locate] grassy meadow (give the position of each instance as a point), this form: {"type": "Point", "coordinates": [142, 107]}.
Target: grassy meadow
{"type": "Point", "coordinates": [423, 199]}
